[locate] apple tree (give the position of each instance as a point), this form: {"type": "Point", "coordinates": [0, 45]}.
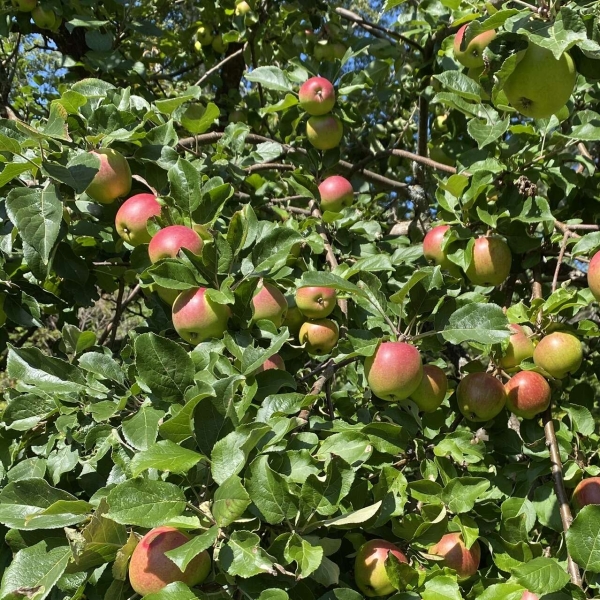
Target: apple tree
{"type": "Point", "coordinates": [299, 300]}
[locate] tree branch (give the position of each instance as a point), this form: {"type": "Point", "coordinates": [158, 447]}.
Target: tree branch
{"type": "Point", "coordinates": [118, 312]}
{"type": "Point", "coordinates": [269, 167]}
{"type": "Point", "coordinates": [219, 65]}
{"type": "Point", "coordinates": [561, 255]}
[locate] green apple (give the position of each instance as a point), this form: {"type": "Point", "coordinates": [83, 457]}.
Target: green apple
{"type": "Point", "coordinates": [204, 36]}
{"type": "Point", "coordinates": [540, 85]}
{"type": "Point", "coordinates": [24, 5]}
{"type": "Point", "coordinates": [491, 262]}
{"type": "Point", "coordinates": [113, 178]}
{"type": "Point", "coordinates": [45, 19]}
{"type": "Point", "coordinates": [319, 337]}
{"type": "Point", "coordinates": [558, 354]}
{"type": "Point", "coordinates": [471, 54]}
{"type": "Point", "coordinates": [456, 555]}
{"type": "Point", "coordinates": [242, 8]}
{"type": "Point", "coordinates": [480, 396]}
{"type": "Point", "coordinates": [369, 568]}
{"type": "Point", "coordinates": [324, 132]}
{"type": "Point", "coordinates": [218, 45]}
{"type": "Point", "coordinates": [431, 390]}
{"type": "Point", "coordinates": [527, 394]}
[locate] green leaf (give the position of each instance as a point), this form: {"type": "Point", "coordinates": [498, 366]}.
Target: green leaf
{"type": "Point", "coordinates": [198, 119]}
{"type": "Point", "coordinates": [460, 84]}
{"type": "Point", "coordinates": [441, 588]}
{"type": "Point", "coordinates": [541, 575]}
{"type": "Point", "coordinates": [485, 132]}
{"type": "Point", "coordinates": [352, 446]}
{"type": "Point", "coordinates": [307, 556]}
{"type": "Point", "coordinates": [502, 591]}
{"type": "Point", "coordinates": [165, 456]}
{"type": "Point", "coordinates": [483, 323]}
{"type": "Point", "coordinates": [582, 539]}
{"type": "Point", "coordinates": [163, 366]}
{"type": "Point", "coordinates": [355, 517]}
{"type": "Point", "coordinates": [186, 185]}
{"type": "Point", "coordinates": [461, 493]}
{"type": "Point", "coordinates": [183, 555]}
{"type": "Point", "coordinates": [230, 501]}
{"type": "Point", "coordinates": [243, 556]}
{"type": "Point", "coordinates": [271, 78]}
{"type": "Point", "coordinates": [141, 430]}
{"type": "Point", "coordinates": [173, 591]}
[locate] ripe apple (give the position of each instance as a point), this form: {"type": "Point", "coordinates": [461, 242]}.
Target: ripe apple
{"type": "Point", "coordinates": [456, 556]}
{"type": "Point", "coordinates": [132, 218]}
{"type": "Point", "coordinates": [319, 337]}
{"type": "Point", "coordinates": [491, 262]}
{"type": "Point", "coordinates": [316, 302]}
{"type": "Point", "coordinates": [169, 241]}
{"type": "Point", "coordinates": [431, 390]}
{"type": "Point", "coordinates": [197, 318]}
{"type": "Point", "coordinates": [540, 85]}
{"type": "Point", "coordinates": [593, 276]}
{"type": "Point", "coordinates": [395, 371]}
{"type": "Point", "coordinates": [273, 362]}
{"type": "Point", "coordinates": [519, 348]}
{"type": "Point", "coordinates": [558, 354]}
{"type": "Point", "coordinates": [269, 303]}
{"type": "Point", "coordinates": [369, 568]}
{"type": "Point", "coordinates": [432, 247]}
{"type": "Point", "coordinates": [218, 45]}
{"type": "Point", "coordinates": [336, 192]}
{"type": "Point", "coordinates": [529, 596]}
{"type": "Point", "coordinates": [480, 396]}
{"type": "Point", "coordinates": [24, 5]}
{"type": "Point", "coordinates": [527, 394]}
{"type": "Point", "coordinates": [317, 96]}
{"type": "Point", "coordinates": [587, 492]}
{"type": "Point", "coordinates": [113, 178]}
{"type": "Point", "coordinates": [150, 570]}
{"type": "Point", "coordinates": [45, 19]}
{"type": "Point", "coordinates": [471, 55]}
{"type": "Point", "coordinates": [204, 36]}
{"type": "Point", "coordinates": [324, 132]}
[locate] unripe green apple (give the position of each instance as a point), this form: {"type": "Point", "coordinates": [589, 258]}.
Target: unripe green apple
{"type": "Point", "coordinates": [2, 311]}
{"type": "Point", "coordinates": [558, 354]}
{"type": "Point", "coordinates": [316, 302]}
{"type": "Point", "coordinates": [336, 192]}
{"type": "Point", "coordinates": [218, 45]}
{"type": "Point", "coordinates": [491, 262]}
{"type": "Point", "coordinates": [520, 347]}
{"type": "Point", "coordinates": [432, 389]}
{"type": "Point", "coordinates": [471, 54]}
{"type": "Point", "coordinates": [529, 596]}
{"type": "Point", "coordinates": [197, 318]}
{"type": "Point", "coordinates": [338, 50]}
{"type": "Point", "coordinates": [317, 96]}
{"type": "Point", "coordinates": [480, 396]}
{"type": "Point", "coordinates": [131, 221]}
{"type": "Point", "coordinates": [456, 555]}
{"type": "Point", "coordinates": [113, 178]}
{"type": "Point", "coordinates": [593, 276]}
{"type": "Point", "coordinates": [527, 394]}
{"type": "Point", "coordinates": [540, 85]}
{"type": "Point", "coordinates": [45, 19]}
{"type": "Point", "coordinates": [294, 319]}
{"type": "Point", "coordinates": [242, 7]}
{"type": "Point", "coordinates": [150, 570]}
{"type": "Point", "coordinates": [369, 568]}
{"type": "Point", "coordinates": [587, 492]}
{"type": "Point", "coordinates": [269, 303]}
{"type": "Point", "coordinates": [168, 242]}
{"type": "Point", "coordinates": [324, 132]}
{"type": "Point", "coordinates": [24, 5]}
{"type": "Point", "coordinates": [204, 35]}
{"type": "Point", "coordinates": [273, 362]}
{"type": "Point", "coordinates": [319, 337]}
{"type": "Point", "coordinates": [394, 371]}
{"type": "Point", "coordinates": [440, 124]}
{"type": "Point", "coordinates": [432, 248]}
{"type": "Point", "coordinates": [323, 51]}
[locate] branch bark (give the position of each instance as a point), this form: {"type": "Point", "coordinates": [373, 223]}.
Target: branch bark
{"type": "Point", "coordinates": [112, 326]}
{"type": "Point", "coordinates": [219, 65]}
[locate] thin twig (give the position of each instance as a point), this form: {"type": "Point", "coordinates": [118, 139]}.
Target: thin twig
{"type": "Point", "coordinates": [114, 323]}
{"type": "Point", "coordinates": [563, 247]}
{"type": "Point", "coordinates": [219, 65]}
{"type": "Point", "coordinates": [269, 167]}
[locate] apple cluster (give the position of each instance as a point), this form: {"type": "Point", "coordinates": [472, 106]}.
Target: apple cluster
{"type": "Point", "coordinates": [44, 19]}
{"type": "Point", "coordinates": [323, 129]}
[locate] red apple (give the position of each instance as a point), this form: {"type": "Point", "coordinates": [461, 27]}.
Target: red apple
{"type": "Point", "coordinates": [324, 132]}
{"type": "Point", "coordinates": [527, 394]}
{"type": "Point", "coordinates": [529, 596]}
{"type": "Point", "coordinates": [593, 276]}
{"type": "Point", "coordinates": [471, 55]}
{"type": "Point", "coordinates": [587, 492]}
{"type": "Point", "coordinates": [558, 354]}
{"type": "Point", "coordinates": [197, 318]}
{"type": "Point", "coordinates": [432, 247]}
{"type": "Point", "coordinates": [432, 389]}
{"type": "Point", "coordinates": [269, 303]}
{"type": "Point", "coordinates": [317, 96]}
{"type": "Point", "coordinates": [491, 262]}
{"type": "Point", "coordinates": [480, 396]}
{"type": "Point", "coordinates": [395, 371]}
{"type": "Point", "coordinates": [369, 568]}
{"type": "Point", "coordinates": [336, 192]}
{"type": "Point", "coordinates": [520, 347]}
{"type": "Point", "coordinates": [113, 178]}
{"type": "Point", "coordinates": [168, 242]}
{"type": "Point", "coordinates": [316, 302]}
{"type": "Point", "coordinates": [456, 556]}
{"type": "Point", "coordinates": [150, 570]}
{"type": "Point", "coordinates": [273, 362]}
{"type": "Point", "coordinates": [132, 218]}
{"type": "Point", "coordinates": [319, 337]}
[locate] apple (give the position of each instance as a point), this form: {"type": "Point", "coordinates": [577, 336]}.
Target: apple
{"type": "Point", "coordinates": [471, 55]}
{"type": "Point", "coordinates": [395, 371]}
{"type": "Point", "coordinates": [540, 85]}
{"type": "Point", "coordinates": [593, 276]}
{"type": "Point", "coordinates": [132, 218]}
{"type": "Point", "coordinates": [24, 5]}
{"type": "Point", "coordinates": [431, 390]}
{"type": "Point", "coordinates": [113, 178]}
{"type": "Point", "coordinates": [294, 319]}
{"type": "Point", "coordinates": [438, 154]}
{"type": "Point", "coordinates": [587, 492]}
{"type": "Point", "coordinates": [558, 354]}
{"type": "Point", "coordinates": [369, 567]}
{"type": "Point", "coordinates": [218, 45]}
{"type": "Point", "coordinates": [491, 262]}
{"type": "Point", "coordinates": [440, 124]}
{"type": "Point", "coordinates": [520, 347]}
{"type": "Point", "coordinates": [168, 242]}
{"type": "Point", "coordinates": [456, 555]}
{"type": "Point", "coordinates": [242, 7]}
{"type": "Point", "coordinates": [319, 337]}
{"type": "Point", "coordinates": [269, 303]}
{"type": "Point", "coordinates": [529, 596]}
{"type": "Point", "coordinates": [197, 318]}
{"type": "Point", "coordinates": [204, 36]}
{"type": "Point", "coordinates": [338, 50]}
{"type": "Point", "coordinates": [273, 362]}
{"type": "Point", "coordinates": [150, 570]}
{"type": "Point", "coordinates": [480, 396]}
{"type": "Point", "coordinates": [45, 19]}
{"type": "Point", "coordinates": [432, 247]}
{"type": "Point", "coordinates": [336, 192]}
{"type": "Point", "coordinates": [527, 394]}
{"type": "Point", "coordinates": [317, 96]}
{"type": "Point", "coordinates": [324, 132]}
{"type": "Point", "coordinates": [316, 302]}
